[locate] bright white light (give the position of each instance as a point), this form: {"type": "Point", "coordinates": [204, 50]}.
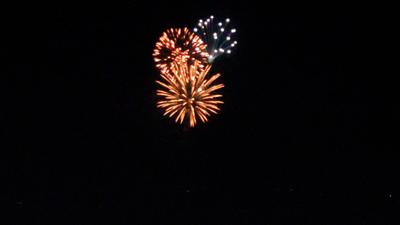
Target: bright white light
{"type": "Point", "coordinates": [218, 34]}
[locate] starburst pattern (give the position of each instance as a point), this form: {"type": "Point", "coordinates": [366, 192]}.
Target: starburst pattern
{"type": "Point", "coordinates": [187, 94]}
{"type": "Point", "coordinates": [219, 36]}
{"type": "Point", "coordinates": [178, 45]}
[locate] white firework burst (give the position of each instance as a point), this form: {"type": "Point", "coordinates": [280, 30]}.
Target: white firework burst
{"type": "Point", "coordinates": [218, 36]}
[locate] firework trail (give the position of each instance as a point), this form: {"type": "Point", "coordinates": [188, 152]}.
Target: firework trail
{"type": "Point", "coordinates": [187, 94]}
{"type": "Point", "coordinates": [179, 45]}
{"type": "Point", "coordinates": [217, 35]}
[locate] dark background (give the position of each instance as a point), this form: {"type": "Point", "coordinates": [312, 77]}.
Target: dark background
{"type": "Point", "coordinates": [301, 138]}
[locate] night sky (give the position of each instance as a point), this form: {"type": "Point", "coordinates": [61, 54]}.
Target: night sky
{"type": "Point", "coordinates": [298, 140]}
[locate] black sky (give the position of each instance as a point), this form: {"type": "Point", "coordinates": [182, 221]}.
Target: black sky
{"type": "Point", "coordinates": [297, 141]}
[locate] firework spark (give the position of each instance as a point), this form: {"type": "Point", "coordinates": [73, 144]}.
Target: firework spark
{"type": "Point", "coordinates": [218, 36]}
{"type": "Point", "coordinates": [179, 45]}
{"type": "Point", "coordinates": [187, 94]}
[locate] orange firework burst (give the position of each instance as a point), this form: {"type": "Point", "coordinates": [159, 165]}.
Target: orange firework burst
{"type": "Point", "coordinates": [187, 94]}
{"type": "Point", "coordinates": [179, 45]}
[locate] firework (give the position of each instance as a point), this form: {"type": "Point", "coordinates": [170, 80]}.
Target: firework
{"type": "Point", "coordinates": [187, 94]}
{"type": "Point", "coordinates": [217, 35]}
{"type": "Point", "coordinates": [179, 45]}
